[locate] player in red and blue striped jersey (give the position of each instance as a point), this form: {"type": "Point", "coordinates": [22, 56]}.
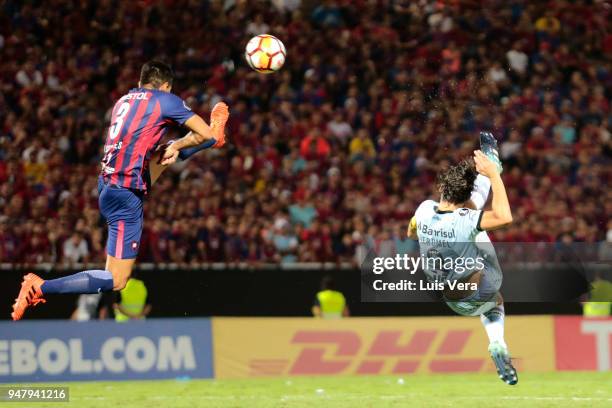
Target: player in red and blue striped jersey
{"type": "Point", "coordinates": [131, 162]}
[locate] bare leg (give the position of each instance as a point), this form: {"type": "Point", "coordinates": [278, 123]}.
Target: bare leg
{"type": "Point", "coordinates": [121, 269]}
{"type": "Point", "coordinates": [155, 168]}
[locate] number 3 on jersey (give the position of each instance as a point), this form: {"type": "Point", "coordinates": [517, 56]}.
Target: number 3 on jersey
{"type": "Point", "coordinates": [115, 128]}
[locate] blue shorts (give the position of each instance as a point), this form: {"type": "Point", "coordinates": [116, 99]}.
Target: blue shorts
{"type": "Point", "coordinates": [122, 210]}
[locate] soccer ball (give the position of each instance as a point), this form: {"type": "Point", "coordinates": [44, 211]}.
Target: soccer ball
{"type": "Point", "coordinates": [265, 53]}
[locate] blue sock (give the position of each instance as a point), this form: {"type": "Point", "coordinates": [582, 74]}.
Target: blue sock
{"type": "Point", "coordinates": [184, 154]}
{"type": "Point", "coordinates": [92, 281]}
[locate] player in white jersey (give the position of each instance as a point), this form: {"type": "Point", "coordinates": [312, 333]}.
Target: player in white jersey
{"type": "Point", "coordinates": [454, 229]}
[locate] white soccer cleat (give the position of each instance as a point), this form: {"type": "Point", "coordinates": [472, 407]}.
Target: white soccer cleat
{"type": "Point", "coordinates": [488, 145]}
{"type": "Point", "coordinates": [506, 371]}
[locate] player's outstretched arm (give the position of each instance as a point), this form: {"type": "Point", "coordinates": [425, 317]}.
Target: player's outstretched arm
{"type": "Point", "coordinates": [500, 213]}
{"type": "Point", "coordinates": [156, 168]}
{"type": "Point", "coordinates": [218, 119]}
{"type": "Point", "coordinates": [200, 132]}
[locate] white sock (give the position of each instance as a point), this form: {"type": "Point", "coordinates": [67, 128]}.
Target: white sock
{"type": "Point", "coordinates": [493, 322]}
{"type": "Point", "coordinates": [482, 186]}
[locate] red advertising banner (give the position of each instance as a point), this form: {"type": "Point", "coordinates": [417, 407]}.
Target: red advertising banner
{"type": "Point", "coordinates": [583, 343]}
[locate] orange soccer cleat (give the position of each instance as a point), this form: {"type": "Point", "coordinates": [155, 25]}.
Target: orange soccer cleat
{"type": "Point", "coordinates": [29, 295]}
{"type": "Point", "coordinates": [218, 118]}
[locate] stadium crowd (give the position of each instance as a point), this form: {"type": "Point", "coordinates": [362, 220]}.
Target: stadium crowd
{"type": "Point", "coordinates": [329, 157]}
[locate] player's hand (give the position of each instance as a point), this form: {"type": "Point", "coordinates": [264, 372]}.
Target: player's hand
{"type": "Point", "coordinates": [218, 118]}
{"type": "Point", "coordinates": [169, 156]}
{"type": "Point", "coordinates": [484, 166]}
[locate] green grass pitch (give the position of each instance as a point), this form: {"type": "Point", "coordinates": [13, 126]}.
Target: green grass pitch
{"type": "Point", "coordinates": [580, 389]}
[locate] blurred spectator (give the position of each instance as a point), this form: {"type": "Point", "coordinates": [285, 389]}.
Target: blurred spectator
{"type": "Point", "coordinates": [29, 76]}
{"type": "Point", "coordinates": [76, 249]}
{"type": "Point", "coordinates": [257, 26]}
{"type": "Point", "coordinates": [517, 59]}
{"type": "Point", "coordinates": [286, 5]}
{"type": "Point", "coordinates": [385, 245]}
{"type": "Point", "coordinates": [285, 243]}
{"type": "Point", "coordinates": [314, 146]}
{"type": "Point", "coordinates": [132, 302]}
{"type": "Point", "coordinates": [211, 241]}
{"type": "Point", "coordinates": [548, 23]}
{"type": "Point", "coordinates": [87, 307]}
{"type": "Point", "coordinates": [403, 244]}
{"type": "Point", "coordinates": [339, 128]}
{"type": "Point", "coordinates": [302, 212]}
{"type": "Point", "coordinates": [329, 303]}
{"type": "Point", "coordinates": [599, 299]}
{"type": "Point", "coordinates": [361, 147]}
{"type": "Point", "coordinates": [511, 148]}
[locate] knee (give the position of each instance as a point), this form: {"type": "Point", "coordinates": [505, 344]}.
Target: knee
{"type": "Point", "coordinates": [120, 280]}
{"type": "Point", "coordinates": [121, 269]}
{"type": "Point", "coordinates": [119, 284]}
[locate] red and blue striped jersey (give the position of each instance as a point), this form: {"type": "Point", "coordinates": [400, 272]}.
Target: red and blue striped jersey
{"type": "Point", "coordinates": [139, 120]}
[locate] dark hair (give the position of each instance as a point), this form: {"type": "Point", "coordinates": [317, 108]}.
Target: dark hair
{"type": "Point", "coordinates": [155, 73]}
{"type": "Point", "coordinates": [328, 283]}
{"type": "Point", "coordinates": [457, 182]}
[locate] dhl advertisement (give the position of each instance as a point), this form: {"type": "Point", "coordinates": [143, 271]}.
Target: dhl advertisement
{"type": "Point", "coordinates": [251, 347]}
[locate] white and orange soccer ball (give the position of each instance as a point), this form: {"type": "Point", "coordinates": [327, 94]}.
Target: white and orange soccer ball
{"type": "Point", "coordinates": [265, 53]}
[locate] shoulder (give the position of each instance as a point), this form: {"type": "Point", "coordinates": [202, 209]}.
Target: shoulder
{"type": "Point", "coordinates": [427, 205]}
{"type": "Point", "coordinates": [469, 216]}
{"type": "Point", "coordinates": [462, 212]}
{"type": "Point", "coordinates": [168, 97]}
{"type": "Point", "coordinates": [174, 107]}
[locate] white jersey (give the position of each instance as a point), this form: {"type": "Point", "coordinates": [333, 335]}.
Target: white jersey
{"type": "Point", "coordinates": [454, 238]}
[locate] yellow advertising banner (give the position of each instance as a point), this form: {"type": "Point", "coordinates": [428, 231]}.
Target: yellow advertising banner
{"type": "Point", "coordinates": [253, 347]}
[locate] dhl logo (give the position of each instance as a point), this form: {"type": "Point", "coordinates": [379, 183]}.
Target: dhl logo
{"type": "Point", "coordinates": [389, 350]}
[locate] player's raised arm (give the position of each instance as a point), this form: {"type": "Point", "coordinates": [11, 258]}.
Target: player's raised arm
{"type": "Point", "coordinates": [500, 213]}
